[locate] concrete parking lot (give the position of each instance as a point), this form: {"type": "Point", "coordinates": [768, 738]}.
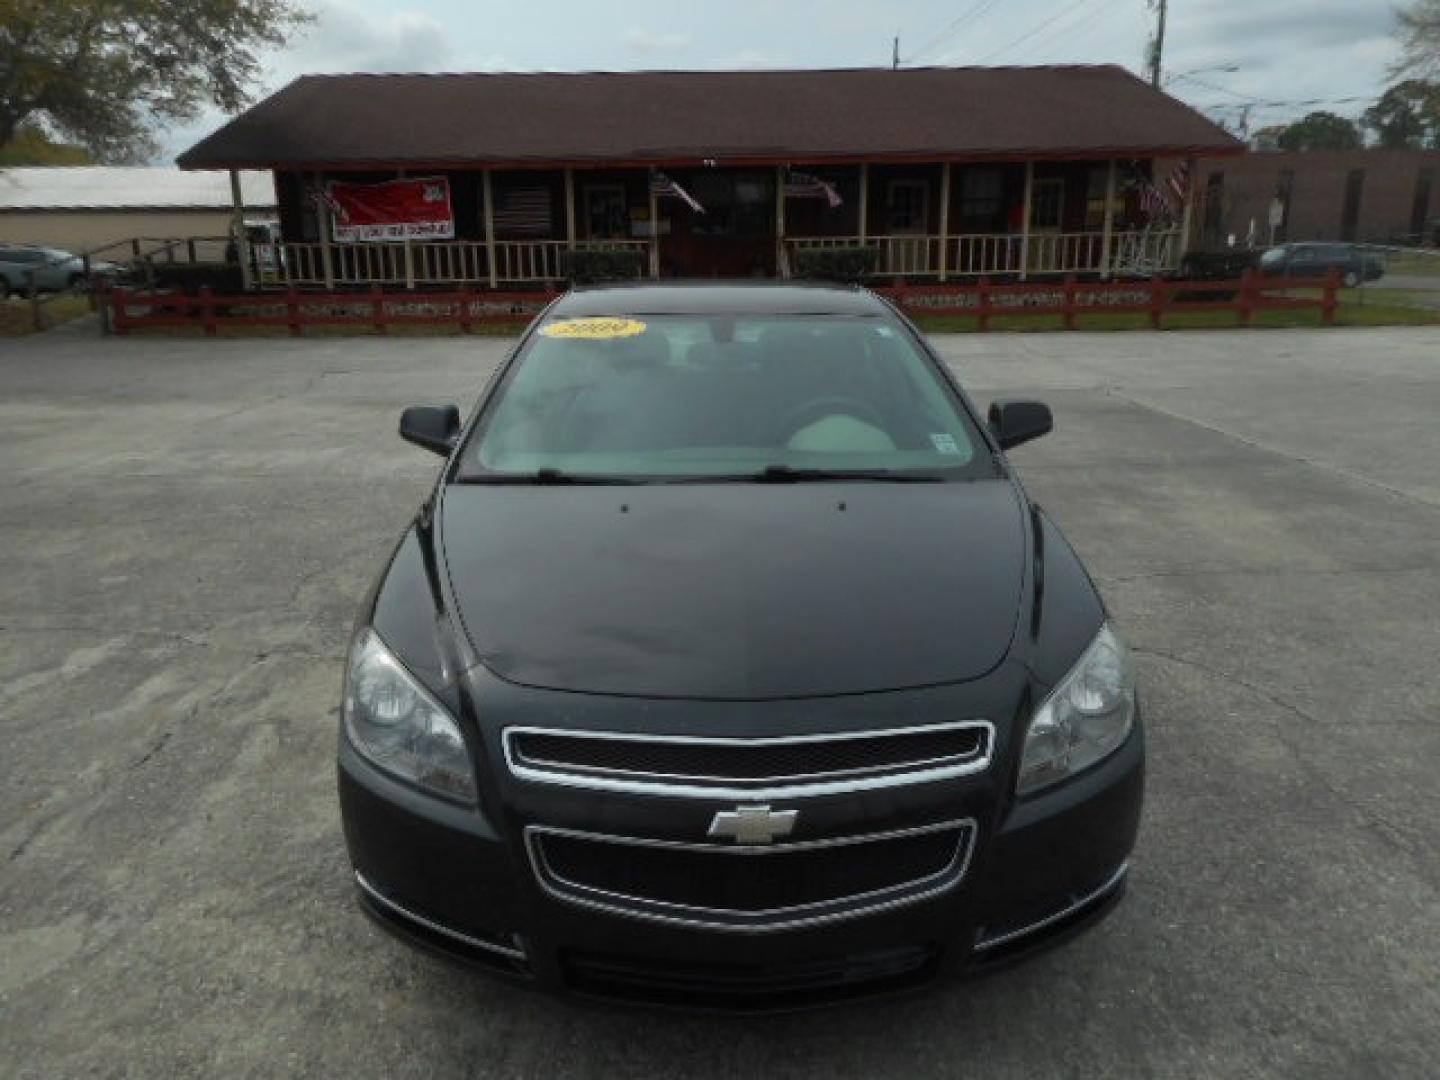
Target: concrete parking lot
{"type": "Point", "coordinates": [187, 527]}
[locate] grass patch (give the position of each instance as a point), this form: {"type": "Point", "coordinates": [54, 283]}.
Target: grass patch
{"type": "Point", "coordinates": [17, 320]}
{"type": "Point", "coordinates": [1415, 265]}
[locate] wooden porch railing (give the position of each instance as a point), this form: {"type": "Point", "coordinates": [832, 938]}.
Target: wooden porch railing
{"type": "Point", "coordinates": [974, 255]}
{"type": "Point", "coordinates": [434, 262]}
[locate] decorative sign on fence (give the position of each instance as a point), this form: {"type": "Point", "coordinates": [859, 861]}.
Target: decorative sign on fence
{"type": "Point", "coordinates": [416, 209]}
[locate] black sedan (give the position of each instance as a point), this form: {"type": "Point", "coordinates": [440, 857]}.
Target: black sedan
{"type": "Point", "coordinates": [730, 665]}
{"type": "Point", "coordinates": [1351, 263]}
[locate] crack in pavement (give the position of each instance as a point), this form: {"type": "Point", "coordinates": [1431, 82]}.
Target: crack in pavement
{"type": "Point", "coordinates": [1265, 448]}
{"type": "Point", "coordinates": [1269, 571]}
{"type": "Point", "coordinates": [1396, 836]}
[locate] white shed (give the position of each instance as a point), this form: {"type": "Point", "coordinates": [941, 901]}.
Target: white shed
{"type": "Point", "coordinates": [82, 207]}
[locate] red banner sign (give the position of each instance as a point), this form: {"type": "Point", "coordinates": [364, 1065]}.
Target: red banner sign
{"type": "Point", "coordinates": [416, 209]}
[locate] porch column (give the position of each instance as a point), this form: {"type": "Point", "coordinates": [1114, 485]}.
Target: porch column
{"type": "Point", "coordinates": [409, 251]}
{"type": "Point", "coordinates": [782, 270]}
{"type": "Point", "coordinates": [1187, 213]}
{"type": "Point", "coordinates": [487, 187]}
{"type": "Point", "coordinates": [570, 209]}
{"type": "Point", "coordinates": [1025, 220]}
{"type": "Point", "coordinates": [326, 229]}
{"type": "Point", "coordinates": [864, 199]}
{"type": "Point", "coordinates": [1106, 239]}
{"type": "Point", "coordinates": [944, 216]}
{"type": "Point", "coordinates": [237, 226]}
{"type": "Point", "coordinates": [654, 227]}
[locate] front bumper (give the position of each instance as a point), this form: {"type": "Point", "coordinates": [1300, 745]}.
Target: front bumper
{"type": "Point", "coordinates": [453, 880]}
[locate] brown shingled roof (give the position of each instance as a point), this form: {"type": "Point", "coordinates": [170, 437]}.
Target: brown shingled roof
{"type": "Point", "coordinates": [688, 116]}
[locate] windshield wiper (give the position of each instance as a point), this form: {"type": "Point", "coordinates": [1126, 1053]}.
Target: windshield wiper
{"type": "Point", "coordinates": [788, 474]}
{"type": "Point", "coordinates": [548, 478]}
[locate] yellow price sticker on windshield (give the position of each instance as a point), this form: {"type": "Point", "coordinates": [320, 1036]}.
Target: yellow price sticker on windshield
{"type": "Point", "coordinates": [594, 329]}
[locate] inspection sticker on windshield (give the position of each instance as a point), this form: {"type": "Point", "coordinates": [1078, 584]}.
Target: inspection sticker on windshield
{"type": "Point", "coordinates": [594, 329]}
{"type": "Point", "coordinates": [945, 444]}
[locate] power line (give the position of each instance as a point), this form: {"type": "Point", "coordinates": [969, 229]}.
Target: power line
{"type": "Point", "coordinates": [1045, 24]}
{"type": "Point", "coordinates": [1218, 89]}
{"type": "Point", "coordinates": [1040, 44]}
{"type": "Point", "coordinates": [976, 11]}
{"type": "Point", "coordinates": [1257, 103]}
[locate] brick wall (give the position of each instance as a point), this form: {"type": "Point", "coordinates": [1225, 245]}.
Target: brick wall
{"type": "Point", "coordinates": [1318, 195]}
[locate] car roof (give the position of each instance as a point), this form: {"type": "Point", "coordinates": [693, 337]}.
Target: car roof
{"type": "Point", "coordinates": [719, 298]}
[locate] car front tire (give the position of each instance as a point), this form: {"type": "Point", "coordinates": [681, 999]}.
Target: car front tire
{"type": "Point", "coordinates": [1351, 279]}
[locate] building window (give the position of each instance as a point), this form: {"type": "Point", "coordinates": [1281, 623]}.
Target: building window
{"type": "Point", "coordinates": [1420, 208]}
{"type": "Point", "coordinates": [905, 206]}
{"type": "Point", "coordinates": [982, 200]}
{"type": "Point", "coordinates": [1047, 205]}
{"type": "Point", "coordinates": [1284, 193]}
{"type": "Point", "coordinates": [1350, 212]}
{"type": "Point", "coordinates": [523, 212]}
{"type": "Point", "coordinates": [1097, 181]}
{"type": "Point", "coordinates": [1215, 208]}
{"type": "Point", "coordinates": [606, 215]}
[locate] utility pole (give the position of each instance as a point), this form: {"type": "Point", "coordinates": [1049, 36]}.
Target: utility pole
{"type": "Point", "coordinates": [895, 54]}
{"type": "Point", "coordinates": [1157, 48]}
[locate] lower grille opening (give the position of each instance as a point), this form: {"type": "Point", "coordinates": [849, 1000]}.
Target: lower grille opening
{"type": "Point", "coordinates": [750, 987]}
{"type": "Point", "coordinates": [727, 887]}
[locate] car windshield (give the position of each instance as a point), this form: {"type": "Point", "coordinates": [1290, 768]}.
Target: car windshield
{"type": "Point", "coordinates": [1273, 256]}
{"type": "Point", "coordinates": [705, 397]}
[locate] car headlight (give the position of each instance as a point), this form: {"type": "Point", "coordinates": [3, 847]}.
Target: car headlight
{"type": "Point", "coordinates": [1086, 717]}
{"type": "Point", "coordinates": [394, 722]}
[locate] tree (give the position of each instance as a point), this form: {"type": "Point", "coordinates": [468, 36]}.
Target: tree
{"type": "Point", "coordinates": [1419, 29]}
{"type": "Point", "coordinates": [31, 146]}
{"type": "Point", "coordinates": [104, 72]}
{"type": "Point", "coordinates": [1407, 117]}
{"type": "Point", "coordinates": [1321, 131]}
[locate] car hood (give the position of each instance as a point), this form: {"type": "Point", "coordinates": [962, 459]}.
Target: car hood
{"type": "Point", "coordinates": [736, 591]}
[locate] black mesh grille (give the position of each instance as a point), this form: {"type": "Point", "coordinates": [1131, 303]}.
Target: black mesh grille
{"type": "Point", "coordinates": [739, 762]}
{"type": "Point", "coordinates": [749, 986]}
{"type": "Point", "coordinates": [752, 881]}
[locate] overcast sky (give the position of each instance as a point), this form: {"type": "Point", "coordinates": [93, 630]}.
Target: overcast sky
{"type": "Point", "coordinates": [1283, 51]}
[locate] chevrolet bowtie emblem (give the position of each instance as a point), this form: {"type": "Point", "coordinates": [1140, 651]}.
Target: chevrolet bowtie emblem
{"type": "Point", "coordinates": [753, 824]}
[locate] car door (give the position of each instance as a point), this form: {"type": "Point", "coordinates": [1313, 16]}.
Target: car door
{"type": "Point", "coordinates": [23, 263]}
{"type": "Point", "coordinates": [12, 273]}
{"type": "Point", "coordinates": [1307, 260]}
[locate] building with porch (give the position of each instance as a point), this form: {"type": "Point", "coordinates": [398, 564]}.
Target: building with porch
{"type": "Point", "coordinates": [944, 174]}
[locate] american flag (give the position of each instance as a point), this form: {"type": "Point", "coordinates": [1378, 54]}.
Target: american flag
{"type": "Point", "coordinates": [1153, 200]}
{"type": "Point", "coordinates": [1162, 199]}
{"type": "Point", "coordinates": [660, 184]}
{"type": "Point", "coordinates": [799, 185]}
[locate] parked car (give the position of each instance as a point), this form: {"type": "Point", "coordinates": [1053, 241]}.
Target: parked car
{"type": "Point", "coordinates": [1353, 263]}
{"type": "Point", "coordinates": [729, 663]}
{"type": "Point", "coordinates": [52, 268]}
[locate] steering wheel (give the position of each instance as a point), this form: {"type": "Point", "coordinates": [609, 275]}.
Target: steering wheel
{"type": "Point", "coordinates": [815, 409]}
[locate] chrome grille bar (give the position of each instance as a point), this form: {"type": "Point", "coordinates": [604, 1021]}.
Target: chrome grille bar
{"type": "Point", "coordinates": [890, 767]}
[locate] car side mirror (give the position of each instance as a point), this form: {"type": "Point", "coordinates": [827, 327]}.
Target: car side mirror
{"type": "Point", "coordinates": [435, 427]}
{"type": "Point", "coordinates": [1015, 422]}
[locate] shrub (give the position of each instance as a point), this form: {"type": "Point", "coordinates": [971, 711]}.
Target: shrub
{"type": "Point", "coordinates": [223, 278]}
{"type": "Point", "coordinates": [588, 267]}
{"type": "Point", "coordinates": [849, 264]}
{"type": "Point", "coordinates": [1224, 265]}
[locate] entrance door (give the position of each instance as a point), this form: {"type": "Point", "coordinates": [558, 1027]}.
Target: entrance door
{"type": "Point", "coordinates": [735, 235]}
{"type": "Point", "coordinates": [1047, 215]}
